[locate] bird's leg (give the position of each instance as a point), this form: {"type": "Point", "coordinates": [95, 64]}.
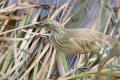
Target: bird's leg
{"type": "Point", "coordinates": [87, 59]}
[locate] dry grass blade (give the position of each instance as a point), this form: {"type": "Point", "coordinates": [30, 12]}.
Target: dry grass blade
{"type": "Point", "coordinates": [51, 65]}
{"type": "Point", "coordinates": [11, 39]}
{"type": "Point", "coordinates": [46, 60]}
{"type": "Point", "coordinates": [36, 61]}
{"type": "Point", "coordinates": [18, 49]}
{"type": "Point", "coordinates": [12, 70]}
{"type": "Point", "coordinates": [24, 27]}
{"type": "Point", "coordinates": [57, 11]}
{"type": "Point", "coordinates": [10, 17]}
{"type": "Point", "coordinates": [15, 7]}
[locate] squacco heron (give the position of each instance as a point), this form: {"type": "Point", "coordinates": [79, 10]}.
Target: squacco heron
{"type": "Point", "coordinates": [75, 41]}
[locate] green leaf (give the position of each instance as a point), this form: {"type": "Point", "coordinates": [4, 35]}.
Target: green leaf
{"type": "Point", "coordinates": [7, 61]}
{"type": "Point", "coordinates": [36, 66]}
{"type": "Point", "coordinates": [103, 16]}
{"type": "Point", "coordinates": [64, 62]}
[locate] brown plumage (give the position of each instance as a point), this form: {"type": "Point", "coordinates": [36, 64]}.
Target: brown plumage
{"type": "Point", "coordinates": [76, 41]}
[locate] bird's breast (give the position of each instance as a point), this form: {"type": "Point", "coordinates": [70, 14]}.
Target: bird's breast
{"type": "Point", "coordinates": [65, 44]}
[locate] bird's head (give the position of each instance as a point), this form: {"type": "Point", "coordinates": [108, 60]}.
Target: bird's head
{"type": "Point", "coordinates": [51, 24]}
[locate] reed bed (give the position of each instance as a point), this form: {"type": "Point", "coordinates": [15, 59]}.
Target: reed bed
{"type": "Point", "coordinates": [26, 54]}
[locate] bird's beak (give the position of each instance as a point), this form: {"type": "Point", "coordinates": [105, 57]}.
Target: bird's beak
{"type": "Point", "coordinates": [40, 25]}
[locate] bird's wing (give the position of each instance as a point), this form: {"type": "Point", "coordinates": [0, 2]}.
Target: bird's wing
{"type": "Point", "coordinates": [87, 39]}
{"type": "Point", "coordinates": [92, 35]}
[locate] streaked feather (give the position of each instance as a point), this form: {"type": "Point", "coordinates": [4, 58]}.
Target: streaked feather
{"type": "Point", "coordinates": [74, 41]}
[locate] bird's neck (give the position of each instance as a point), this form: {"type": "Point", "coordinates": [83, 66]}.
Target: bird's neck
{"type": "Point", "coordinates": [59, 32]}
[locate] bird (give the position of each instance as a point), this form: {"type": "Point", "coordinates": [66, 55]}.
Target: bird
{"type": "Point", "coordinates": [75, 41]}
